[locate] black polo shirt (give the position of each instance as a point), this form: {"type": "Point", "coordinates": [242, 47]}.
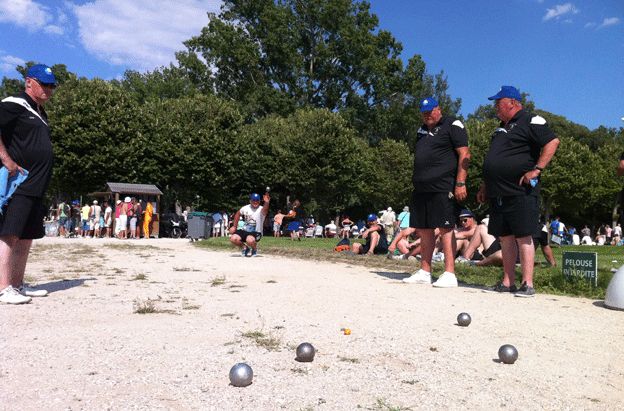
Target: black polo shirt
{"type": "Point", "coordinates": [435, 156]}
{"type": "Point", "coordinates": [26, 137]}
{"type": "Point", "coordinates": [514, 150]}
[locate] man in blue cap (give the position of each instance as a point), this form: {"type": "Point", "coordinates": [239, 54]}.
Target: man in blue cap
{"type": "Point", "coordinates": [441, 160]}
{"type": "Point", "coordinates": [375, 236]}
{"type": "Point", "coordinates": [520, 149]}
{"type": "Point", "coordinates": [253, 216]}
{"type": "Point", "coordinates": [25, 144]}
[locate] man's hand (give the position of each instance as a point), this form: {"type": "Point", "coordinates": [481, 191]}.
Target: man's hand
{"type": "Point", "coordinates": [461, 193]}
{"type": "Point", "coordinates": [11, 166]}
{"type": "Point", "coordinates": [528, 176]}
{"type": "Point", "coordinates": [266, 197]}
{"type": "Point", "coordinates": [232, 230]}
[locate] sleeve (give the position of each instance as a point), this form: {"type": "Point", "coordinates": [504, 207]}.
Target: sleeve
{"type": "Point", "coordinates": [459, 137]}
{"type": "Point", "coordinates": [9, 112]}
{"type": "Point", "coordinates": [540, 132]}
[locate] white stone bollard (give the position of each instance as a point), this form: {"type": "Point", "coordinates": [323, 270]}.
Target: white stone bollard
{"type": "Point", "coordinates": [614, 298]}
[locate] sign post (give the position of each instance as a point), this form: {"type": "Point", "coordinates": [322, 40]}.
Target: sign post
{"type": "Point", "coordinates": [580, 265]}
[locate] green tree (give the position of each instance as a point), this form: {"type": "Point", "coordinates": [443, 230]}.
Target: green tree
{"type": "Point", "coordinates": [276, 56]}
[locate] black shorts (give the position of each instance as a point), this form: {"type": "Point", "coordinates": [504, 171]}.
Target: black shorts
{"type": "Point", "coordinates": [494, 247]}
{"type": "Point", "coordinates": [23, 217]}
{"type": "Point", "coordinates": [244, 234]}
{"type": "Point", "coordinates": [516, 215]}
{"type": "Point", "coordinates": [433, 210]}
{"type": "Point", "coordinates": [540, 239]}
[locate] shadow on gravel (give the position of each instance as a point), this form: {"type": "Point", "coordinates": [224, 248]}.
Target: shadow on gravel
{"type": "Point", "coordinates": [61, 285]}
{"type": "Point", "coordinates": [392, 275]}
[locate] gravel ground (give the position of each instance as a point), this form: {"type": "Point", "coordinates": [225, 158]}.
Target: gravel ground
{"type": "Point", "coordinates": [85, 347]}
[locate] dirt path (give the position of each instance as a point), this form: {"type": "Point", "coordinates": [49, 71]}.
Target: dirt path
{"type": "Point", "coordinates": [84, 347]}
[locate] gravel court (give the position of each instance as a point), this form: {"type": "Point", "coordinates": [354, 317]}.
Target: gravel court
{"type": "Point", "coordinates": [83, 347]}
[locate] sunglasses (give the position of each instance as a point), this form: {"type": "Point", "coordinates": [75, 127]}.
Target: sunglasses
{"type": "Point", "coordinates": [46, 85]}
{"type": "Point", "coordinates": [463, 220]}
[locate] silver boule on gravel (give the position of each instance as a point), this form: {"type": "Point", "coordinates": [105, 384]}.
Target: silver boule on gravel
{"type": "Point", "coordinates": [508, 354]}
{"type": "Point", "coordinates": [241, 375]}
{"type": "Point", "coordinates": [463, 319]}
{"type": "Point", "coordinates": [305, 352]}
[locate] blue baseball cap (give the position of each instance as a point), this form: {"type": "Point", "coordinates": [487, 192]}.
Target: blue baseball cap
{"type": "Point", "coordinates": [507, 92]}
{"type": "Point", "coordinates": [371, 217]}
{"type": "Point", "coordinates": [41, 73]}
{"type": "Point", "coordinates": [465, 213]}
{"type": "Point", "coordinates": [428, 104]}
{"type": "Point", "coordinates": [254, 197]}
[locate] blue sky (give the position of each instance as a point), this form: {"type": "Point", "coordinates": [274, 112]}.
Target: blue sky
{"type": "Point", "coordinates": [568, 55]}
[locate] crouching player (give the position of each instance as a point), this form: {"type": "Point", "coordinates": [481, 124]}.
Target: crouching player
{"type": "Point", "coordinates": [376, 241]}
{"type": "Point", "coordinates": [253, 215]}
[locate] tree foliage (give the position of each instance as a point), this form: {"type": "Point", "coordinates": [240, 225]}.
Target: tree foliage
{"type": "Point", "coordinates": [277, 56]}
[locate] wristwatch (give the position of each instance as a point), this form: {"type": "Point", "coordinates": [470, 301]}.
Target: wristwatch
{"type": "Point", "coordinates": [460, 184]}
{"type": "Point", "coordinates": [538, 168]}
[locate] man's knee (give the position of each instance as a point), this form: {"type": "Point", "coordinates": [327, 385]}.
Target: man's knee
{"type": "Point", "coordinates": [235, 239]}
{"type": "Point", "coordinates": [9, 241]}
{"type": "Point", "coordinates": [251, 240]}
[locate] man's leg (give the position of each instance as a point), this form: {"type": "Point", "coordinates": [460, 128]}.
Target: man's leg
{"type": "Point", "coordinates": [374, 240]}
{"type": "Point", "coordinates": [527, 258]}
{"type": "Point", "coordinates": [475, 242]}
{"type": "Point", "coordinates": [510, 255]}
{"type": "Point", "coordinates": [549, 255]}
{"type": "Point", "coordinates": [427, 242]}
{"type": "Point", "coordinates": [20, 257]}
{"type": "Point", "coordinates": [447, 240]}
{"type": "Point", "coordinates": [236, 240]}
{"type": "Point", "coordinates": [356, 248]}
{"type": "Point", "coordinates": [8, 246]}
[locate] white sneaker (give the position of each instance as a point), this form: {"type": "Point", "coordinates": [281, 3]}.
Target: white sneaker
{"type": "Point", "coordinates": [462, 260]}
{"type": "Point", "coordinates": [29, 291]}
{"type": "Point", "coordinates": [10, 295]}
{"type": "Point", "coordinates": [446, 280]}
{"type": "Point", "coordinates": [438, 257]}
{"type": "Point", "coordinates": [419, 277]}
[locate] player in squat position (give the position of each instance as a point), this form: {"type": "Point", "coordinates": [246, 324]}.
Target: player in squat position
{"type": "Point", "coordinates": [253, 215]}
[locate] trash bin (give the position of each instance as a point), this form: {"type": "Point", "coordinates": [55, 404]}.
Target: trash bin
{"type": "Point", "coordinates": [199, 225]}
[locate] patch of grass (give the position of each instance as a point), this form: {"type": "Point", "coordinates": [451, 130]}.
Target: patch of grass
{"type": "Point", "coordinates": [181, 269]}
{"type": "Point", "coordinates": [139, 277]}
{"type": "Point", "coordinates": [267, 341]}
{"type": "Point", "coordinates": [149, 307]}
{"type": "Point", "coordinates": [382, 404]}
{"type": "Point", "coordinates": [217, 281]}
{"type": "Point", "coordinates": [349, 359]}
{"type": "Point", "coordinates": [546, 279]}
{"type": "Point", "coordinates": [118, 271]}
{"type": "Point", "coordinates": [144, 306]}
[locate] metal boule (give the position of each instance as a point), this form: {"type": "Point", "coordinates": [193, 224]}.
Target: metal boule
{"type": "Point", "coordinates": [464, 319]}
{"type": "Point", "coordinates": [508, 354]}
{"type": "Point", "coordinates": [305, 352]}
{"type": "Point", "coordinates": [241, 375]}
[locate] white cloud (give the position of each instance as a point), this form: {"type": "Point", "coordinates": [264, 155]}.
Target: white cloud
{"type": "Point", "coordinates": [141, 34]}
{"type": "Point", "coordinates": [8, 63]}
{"type": "Point", "coordinates": [23, 13]}
{"type": "Point", "coordinates": [560, 10]}
{"type": "Point", "coordinates": [609, 21]}
{"type": "Point", "coordinates": [590, 25]}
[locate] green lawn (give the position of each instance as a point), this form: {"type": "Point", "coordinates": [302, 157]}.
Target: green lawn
{"type": "Point", "coordinates": [547, 280]}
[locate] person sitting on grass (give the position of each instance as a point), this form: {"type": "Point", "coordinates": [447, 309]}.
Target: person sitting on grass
{"type": "Point", "coordinates": [253, 215]}
{"type": "Point", "coordinates": [491, 245]}
{"type": "Point", "coordinates": [375, 235]}
{"type": "Point", "coordinates": [402, 243]}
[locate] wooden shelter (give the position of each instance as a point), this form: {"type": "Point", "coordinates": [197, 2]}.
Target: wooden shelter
{"type": "Point", "coordinates": [145, 192]}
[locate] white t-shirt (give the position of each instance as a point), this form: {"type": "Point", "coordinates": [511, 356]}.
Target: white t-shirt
{"type": "Point", "coordinates": [252, 217]}
{"type": "Point", "coordinates": [331, 227]}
